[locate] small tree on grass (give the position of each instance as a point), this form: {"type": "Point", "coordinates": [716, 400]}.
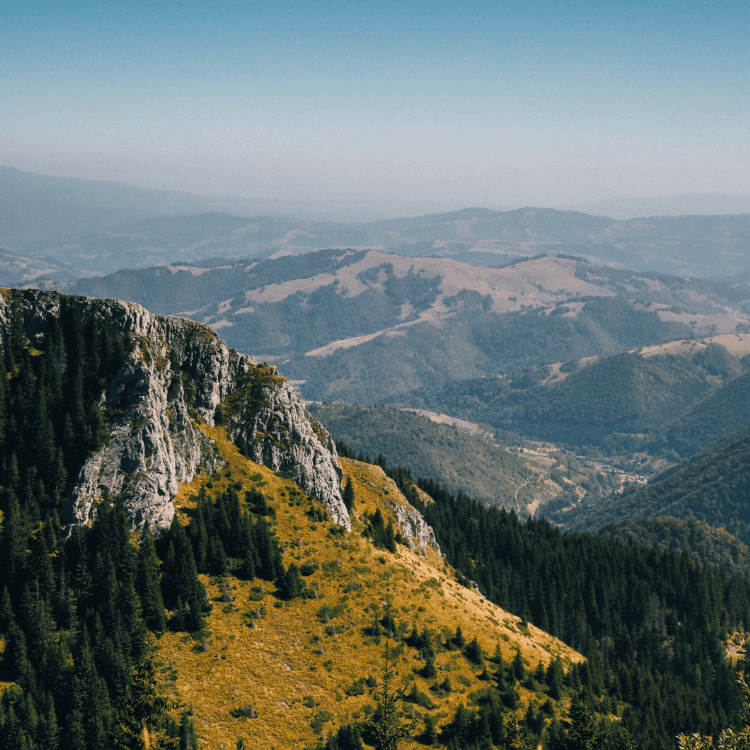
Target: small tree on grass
{"type": "Point", "coordinates": [348, 496]}
{"type": "Point", "coordinates": [388, 725]}
{"type": "Point", "coordinates": [290, 583]}
{"type": "Point", "coordinates": [473, 652]}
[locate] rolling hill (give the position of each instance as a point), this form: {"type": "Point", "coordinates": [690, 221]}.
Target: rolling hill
{"type": "Point", "coordinates": [365, 326]}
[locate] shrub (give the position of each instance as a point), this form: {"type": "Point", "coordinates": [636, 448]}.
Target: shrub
{"type": "Point", "coordinates": [245, 711]}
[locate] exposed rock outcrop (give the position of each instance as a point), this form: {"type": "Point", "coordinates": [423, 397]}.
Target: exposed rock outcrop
{"type": "Point", "coordinates": [417, 532]}
{"type": "Point", "coordinates": [176, 375]}
{"type": "Point", "coordinates": [267, 420]}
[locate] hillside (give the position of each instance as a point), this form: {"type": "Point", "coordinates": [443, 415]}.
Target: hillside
{"type": "Point", "coordinates": [456, 459]}
{"type": "Point", "coordinates": [364, 326]}
{"type": "Point", "coordinates": [713, 486]}
{"type": "Point", "coordinates": [720, 412]}
{"type": "Point", "coordinates": [615, 402]}
{"type": "Point", "coordinates": [715, 548]}
{"type": "Point", "coordinates": [297, 668]}
{"type": "Point", "coordinates": [153, 429]}
{"type": "Point", "coordinates": [630, 607]}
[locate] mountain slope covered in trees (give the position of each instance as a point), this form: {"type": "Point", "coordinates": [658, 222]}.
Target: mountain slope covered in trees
{"type": "Point", "coordinates": [677, 401]}
{"type": "Point", "coordinates": [258, 616]}
{"type": "Point", "coordinates": [714, 548]}
{"type": "Point", "coordinates": [713, 486]}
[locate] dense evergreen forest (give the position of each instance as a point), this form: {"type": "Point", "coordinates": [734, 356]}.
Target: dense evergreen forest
{"type": "Point", "coordinates": [651, 622]}
{"type": "Point", "coordinates": [77, 610]}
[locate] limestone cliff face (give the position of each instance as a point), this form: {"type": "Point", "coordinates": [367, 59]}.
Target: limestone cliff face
{"type": "Point", "coordinates": [418, 533]}
{"type": "Point", "coordinates": [267, 420]}
{"type": "Point", "coordinates": [177, 374]}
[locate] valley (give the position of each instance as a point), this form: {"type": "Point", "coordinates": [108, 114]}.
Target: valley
{"type": "Point", "coordinates": [522, 480]}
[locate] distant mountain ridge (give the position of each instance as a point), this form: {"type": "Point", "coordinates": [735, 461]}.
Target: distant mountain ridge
{"type": "Point", "coordinates": [101, 226]}
{"type": "Point", "coordinates": [687, 246]}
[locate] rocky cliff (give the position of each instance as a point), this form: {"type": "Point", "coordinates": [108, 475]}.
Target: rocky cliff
{"type": "Point", "coordinates": [178, 374]}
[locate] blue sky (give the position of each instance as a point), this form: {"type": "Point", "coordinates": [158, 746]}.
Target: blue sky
{"type": "Point", "coordinates": [471, 103]}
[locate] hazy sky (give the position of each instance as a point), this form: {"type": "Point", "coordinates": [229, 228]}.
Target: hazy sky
{"type": "Point", "coordinates": [467, 103]}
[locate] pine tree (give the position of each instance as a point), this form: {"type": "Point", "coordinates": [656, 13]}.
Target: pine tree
{"type": "Point", "coordinates": [291, 584]}
{"type": "Point", "coordinates": [458, 639]}
{"type": "Point", "coordinates": [146, 703]}
{"type": "Point", "coordinates": [429, 671]}
{"type": "Point", "coordinates": [429, 736]}
{"type": "Point", "coordinates": [387, 726]}
{"type": "Point", "coordinates": [148, 582]}
{"type": "Point", "coordinates": [348, 495]}
{"type": "Point", "coordinates": [473, 652]}
{"type": "Point", "coordinates": [188, 735]}
{"type": "Point", "coordinates": [49, 734]}
{"type": "Point", "coordinates": [554, 679]}
{"type": "Point", "coordinates": [519, 668]}
{"type": "Point", "coordinates": [7, 616]}
{"type": "Point", "coordinates": [513, 739]}
{"type": "Point", "coordinates": [584, 733]}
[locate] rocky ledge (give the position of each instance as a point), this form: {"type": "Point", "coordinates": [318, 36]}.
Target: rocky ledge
{"type": "Point", "coordinates": [178, 374]}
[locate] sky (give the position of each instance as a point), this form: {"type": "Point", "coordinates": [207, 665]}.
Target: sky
{"type": "Point", "coordinates": [476, 103]}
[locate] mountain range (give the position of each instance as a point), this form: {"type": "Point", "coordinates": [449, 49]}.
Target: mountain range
{"type": "Point", "coordinates": [102, 227]}
{"type": "Point", "coordinates": [367, 326]}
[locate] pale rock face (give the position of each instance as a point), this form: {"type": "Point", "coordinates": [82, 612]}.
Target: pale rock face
{"type": "Point", "coordinates": [155, 445]}
{"type": "Point", "coordinates": [270, 424]}
{"type": "Point", "coordinates": [417, 532]}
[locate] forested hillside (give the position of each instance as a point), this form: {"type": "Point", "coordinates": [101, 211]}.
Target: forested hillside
{"type": "Point", "coordinates": [651, 622]}
{"type": "Point", "coordinates": [713, 486]}
{"type": "Point", "coordinates": [714, 548]}
{"type": "Point", "coordinates": [457, 459]}
{"type": "Point", "coordinates": [720, 412]}
{"type": "Point", "coordinates": [616, 401]}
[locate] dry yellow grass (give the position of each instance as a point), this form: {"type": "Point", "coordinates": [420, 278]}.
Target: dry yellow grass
{"type": "Point", "coordinates": [291, 666]}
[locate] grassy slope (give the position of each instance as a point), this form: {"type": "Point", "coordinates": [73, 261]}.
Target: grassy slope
{"type": "Point", "coordinates": [275, 667]}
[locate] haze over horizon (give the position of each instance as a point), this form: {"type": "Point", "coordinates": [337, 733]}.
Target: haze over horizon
{"type": "Point", "coordinates": [433, 106]}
